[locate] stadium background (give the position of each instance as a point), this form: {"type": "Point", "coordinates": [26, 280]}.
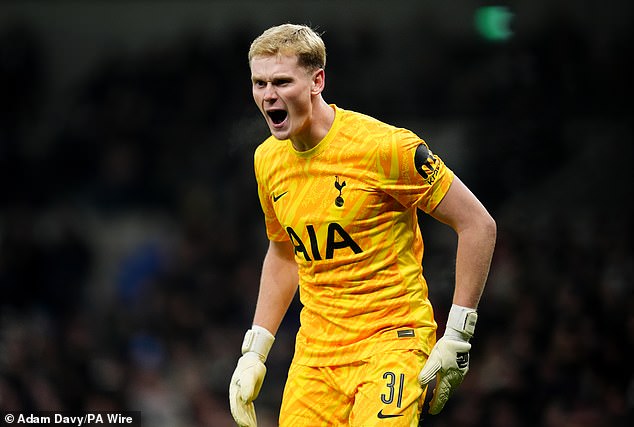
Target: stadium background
{"type": "Point", "coordinates": [130, 232]}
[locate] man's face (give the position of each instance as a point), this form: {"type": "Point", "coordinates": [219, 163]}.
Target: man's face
{"type": "Point", "coordinates": [283, 92]}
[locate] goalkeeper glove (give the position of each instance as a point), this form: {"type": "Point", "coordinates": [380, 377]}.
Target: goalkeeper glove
{"type": "Point", "coordinates": [449, 359]}
{"type": "Point", "coordinates": [249, 374]}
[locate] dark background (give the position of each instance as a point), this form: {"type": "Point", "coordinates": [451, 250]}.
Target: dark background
{"type": "Point", "coordinates": [131, 237]}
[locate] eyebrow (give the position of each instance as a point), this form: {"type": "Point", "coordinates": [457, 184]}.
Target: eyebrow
{"type": "Point", "coordinates": [273, 79]}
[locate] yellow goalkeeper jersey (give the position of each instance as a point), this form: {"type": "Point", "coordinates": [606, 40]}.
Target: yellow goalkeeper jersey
{"type": "Point", "coordinates": [348, 206]}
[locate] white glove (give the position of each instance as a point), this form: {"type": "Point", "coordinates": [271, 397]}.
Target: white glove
{"type": "Point", "coordinates": [248, 376]}
{"type": "Point", "coordinates": [449, 359]}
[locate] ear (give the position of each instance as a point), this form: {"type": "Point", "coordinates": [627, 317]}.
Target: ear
{"type": "Point", "coordinates": [319, 82]}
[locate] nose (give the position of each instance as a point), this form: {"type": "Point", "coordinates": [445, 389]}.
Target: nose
{"type": "Point", "coordinates": [269, 92]}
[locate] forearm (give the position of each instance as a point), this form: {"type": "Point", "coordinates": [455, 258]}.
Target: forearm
{"type": "Point", "coordinates": [476, 231]}
{"type": "Point", "coordinates": [448, 361]}
{"type": "Point", "coordinates": [473, 259]}
{"type": "Point", "coordinates": [278, 284]}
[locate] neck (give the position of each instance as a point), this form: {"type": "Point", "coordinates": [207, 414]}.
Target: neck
{"type": "Point", "coordinates": [320, 123]}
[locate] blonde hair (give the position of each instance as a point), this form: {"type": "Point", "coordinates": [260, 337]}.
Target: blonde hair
{"type": "Point", "coordinates": [291, 39]}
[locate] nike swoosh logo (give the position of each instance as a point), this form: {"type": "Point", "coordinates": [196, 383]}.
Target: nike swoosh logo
{"type": "Point", "coordinates": [382, 416]}
{"type": "Point", "coordinates": [278, 197]}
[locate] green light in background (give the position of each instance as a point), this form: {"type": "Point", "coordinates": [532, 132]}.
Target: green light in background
{"type": "Point", "coordinates": [493, 22]}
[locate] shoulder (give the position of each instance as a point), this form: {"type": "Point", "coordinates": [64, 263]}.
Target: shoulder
{"type": "Point", "coordinates": [269, 147]}
{"type": "Point", "coordinates": [356, 120]}
{"type": "Point", "coordinates": [267, 158]}
{"type": "Point", "coordinates": [373, 130]}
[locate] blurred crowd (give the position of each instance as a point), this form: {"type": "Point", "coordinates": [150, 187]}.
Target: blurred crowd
{"type": "Point", "coordinates": [131, 235]}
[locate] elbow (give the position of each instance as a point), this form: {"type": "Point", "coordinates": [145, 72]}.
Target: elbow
{"type": "Point", "coordinates": [488, 227]}
{"type": "Point", "coordinates": [480, 228]}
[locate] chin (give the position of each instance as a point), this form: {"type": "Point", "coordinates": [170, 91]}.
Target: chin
{"type": "Point", "coordinates": [280, 134]}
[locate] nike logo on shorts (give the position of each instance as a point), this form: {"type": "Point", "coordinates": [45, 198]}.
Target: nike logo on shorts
{"type": "Point", "coordinates": [382, 416]}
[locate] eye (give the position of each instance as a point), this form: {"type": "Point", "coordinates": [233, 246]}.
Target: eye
{"type": "Point", "coordinates": [282, 82]}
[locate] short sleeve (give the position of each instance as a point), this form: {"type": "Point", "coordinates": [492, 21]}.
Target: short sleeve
{"type": "Point", "coordinates": [274, 229]}
{"type": "Point", "coordinates": [411, 173]}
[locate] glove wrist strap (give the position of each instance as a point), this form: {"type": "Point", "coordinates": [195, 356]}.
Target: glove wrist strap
{"type": "Point", "coordinates": [258, 340]}
{"type": "Point", "coordinates": [461, 322]}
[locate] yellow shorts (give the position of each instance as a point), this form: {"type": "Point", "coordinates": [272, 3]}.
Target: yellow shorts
{"type": "Point", "coordinates": [380, 391]}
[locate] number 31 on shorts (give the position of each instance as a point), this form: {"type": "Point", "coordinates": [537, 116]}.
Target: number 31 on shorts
{"type": "Point", "coordinates": [394, 390]}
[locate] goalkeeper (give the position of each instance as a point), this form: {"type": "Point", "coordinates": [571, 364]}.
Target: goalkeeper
{"type": "Point", "coordinates": [340, 193]}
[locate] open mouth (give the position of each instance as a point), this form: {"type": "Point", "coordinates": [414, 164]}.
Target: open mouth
{"type": "Point", "coordinates": [277, 116]}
